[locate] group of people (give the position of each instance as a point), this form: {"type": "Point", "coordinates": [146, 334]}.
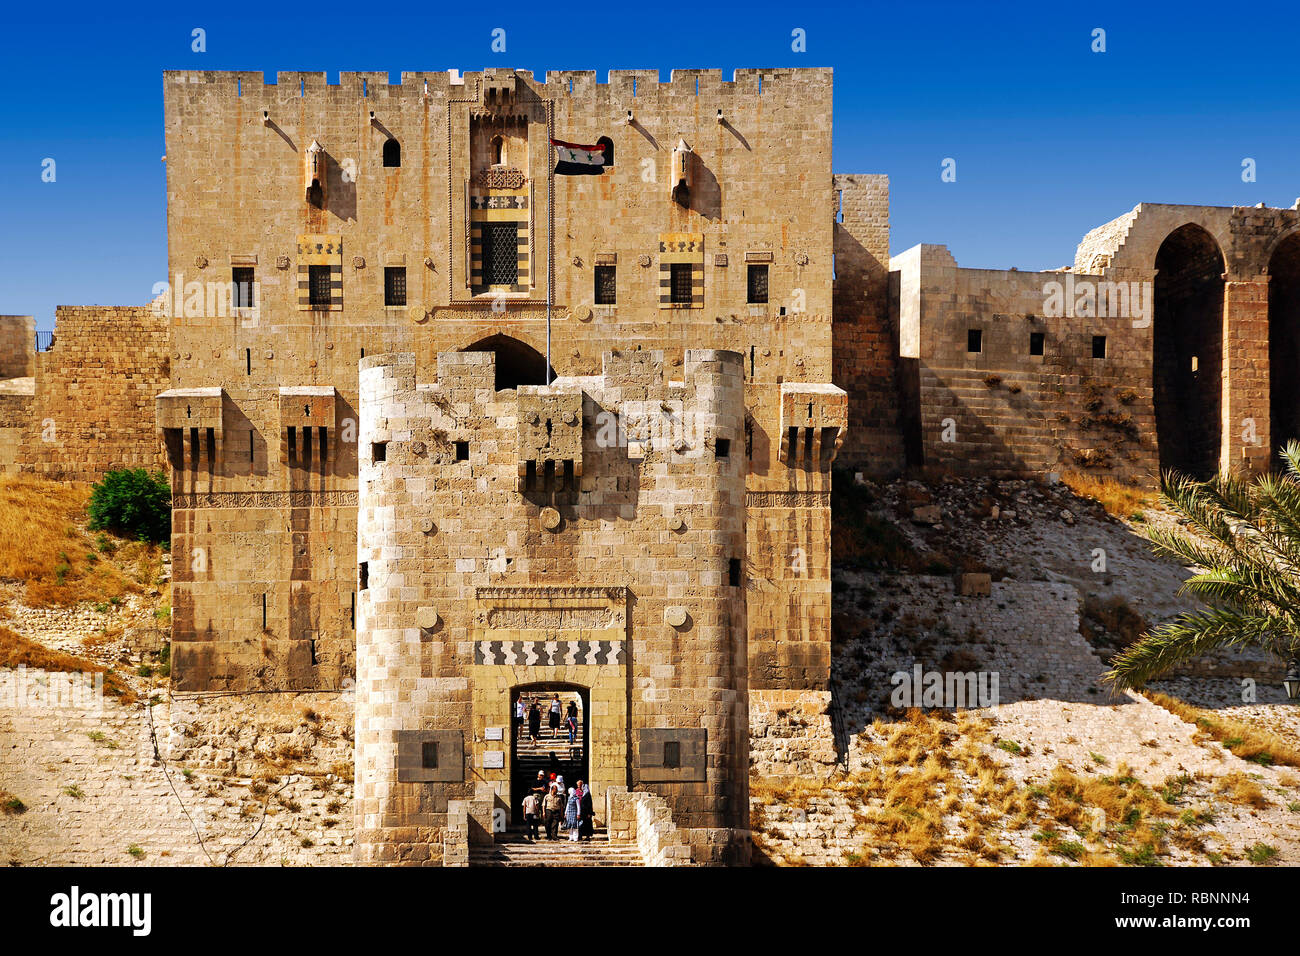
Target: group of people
{"type": "Point", "coordinates": [558, 716]}
{"type": "Point", "coordinates": [547, 804]}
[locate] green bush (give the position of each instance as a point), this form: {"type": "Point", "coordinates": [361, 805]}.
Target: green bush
{"type": "Point", "coordinates": [134, 503]}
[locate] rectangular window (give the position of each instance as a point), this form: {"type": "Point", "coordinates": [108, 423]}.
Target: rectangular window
{"type": "Point", "coordinates": [1099, 346]}
{"type": "Point", "coordinates": [722, 447]}
{"type": "Point", "coordinates": [1035, 343]}
{"type": "Point", "coordinates": [974, 340]}
{"type": "Point", "coordinates": [500, 253]}
{"type": "Point", "coordinates": [363, 577]}
{"type": "Point", "coordinates": [394, 285]}
{"type": "Point", "coordinates": [756, 284]}
{"type": "Point", "coordinates": [429, 755]}
{"type": "Point", "coordinates": [605, 286]}
{"type": "Point", "coordinates": [462, 451]}
{"type": "Point", "coordinates": [379, 451]}
{"type": "Point", "coordinates": [318, 285]}
{"type": "Point", "coordinates": [241, 287]}
{"type": "Point", "coordinates": [733, 572]}
{"type": "Point", "coordinates": [672, 754]}
{"type": "Point", "coordinates": [680, 283]}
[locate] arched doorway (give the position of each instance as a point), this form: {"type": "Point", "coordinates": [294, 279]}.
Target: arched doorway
{"type": "Point", "coordinates": [517, 362]}
{"type": "Point", "coordinates": [1284, 342]}
{"type": "Point", "coordinates": [551, 751]}
{"type": "Point", "coordinates": [1187, 359]}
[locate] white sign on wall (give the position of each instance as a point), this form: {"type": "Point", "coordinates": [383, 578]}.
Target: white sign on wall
{"type": "Point", "coordinates": [493, 733]}
{"type": "Point", "coordinates": [494, 759]}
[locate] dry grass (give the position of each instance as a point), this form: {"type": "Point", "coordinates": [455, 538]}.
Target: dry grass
{"type": "Point", "coordinates": [46, 548]}
{"type": "Point", "coordinates": [937, 793]}
{"type": "Point", "coordinates": [18, 651]}
{"type": "Point", "coordinates": [1120, 500]}
{"type": "Point", "coordinates": [1243, 740]}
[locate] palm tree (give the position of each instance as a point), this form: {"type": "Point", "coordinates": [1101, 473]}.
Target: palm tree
{"type": "Point", "coordinates": [1243, 543]}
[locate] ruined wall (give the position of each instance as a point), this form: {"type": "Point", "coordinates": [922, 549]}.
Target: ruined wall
{"type": "Point", "coordinates": [865, 339]}
{"type": "Point", "coordinates": [17, 346]}
{"type": "Point", "coordinates": [509, 538]}
{"type": "Point", "coordinates": [93, 407]}
{"type": "Point", "coordinates": [1002, 410]}
{"type": "Point", "coordinates": [1201, 378]}
{"type": "Point", "coordinates": [237, 197]}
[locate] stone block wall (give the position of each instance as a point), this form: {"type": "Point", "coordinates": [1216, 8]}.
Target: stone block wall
{"type": "Point", "coordinates": [866, 355]}
{"type": "Point", "coordinates": [17, 346]}
{"type": "Point", "coordinates": [988, 405]}
{"type": "Point", "coordinates": [93, 407]}
{"type": "Point", "coordinates": [237, 177]}
{"type": "Point", "coordinates": [627, 584]}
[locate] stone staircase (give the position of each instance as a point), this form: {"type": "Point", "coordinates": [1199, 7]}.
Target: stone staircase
{"type": "Point", "coordinates": [515, 849]}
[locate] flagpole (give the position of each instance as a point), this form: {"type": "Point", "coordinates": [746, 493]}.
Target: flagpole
{"type": "Point", "coordinates": [550, 228]}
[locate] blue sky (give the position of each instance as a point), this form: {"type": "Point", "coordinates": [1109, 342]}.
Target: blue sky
{"type": "Point", "coordinates": [1050, 138]}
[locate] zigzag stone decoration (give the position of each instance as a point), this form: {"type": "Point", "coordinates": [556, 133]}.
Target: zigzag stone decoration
{"type": "Point", "coordinates": [547, 653]}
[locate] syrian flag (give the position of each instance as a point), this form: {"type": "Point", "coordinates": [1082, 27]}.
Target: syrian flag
{"type": "Point", "coordinates": [576, 160]}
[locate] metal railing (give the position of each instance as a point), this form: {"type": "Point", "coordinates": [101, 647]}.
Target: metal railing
{"type": "Point", "coordinates": [44, 341]}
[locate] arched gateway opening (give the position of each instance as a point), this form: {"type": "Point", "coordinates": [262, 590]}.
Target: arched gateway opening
{"type": "Point", "coordinates": [517, 362]}
{"type": "Point", "coordinates": [1284, 343]}
{"type": "Point", "coordinates": [549, 751]}
{"type": "Point", "coordinates": [1188, 351]}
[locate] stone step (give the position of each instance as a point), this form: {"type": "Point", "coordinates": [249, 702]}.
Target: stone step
{"type": "Point", "coordinates": [519, 852]}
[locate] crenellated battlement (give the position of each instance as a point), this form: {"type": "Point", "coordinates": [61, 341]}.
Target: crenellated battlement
{"type": "Point", "coordinates": [441, 84]}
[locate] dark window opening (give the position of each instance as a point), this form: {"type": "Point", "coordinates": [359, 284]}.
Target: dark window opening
{"type": "Point", "coordinates": [316, 195]}
{"type": "Point", "coordinates": [680, 283]}
{"type": "Point", "coordinates": [500, 253]}
{"type": "Point", "coordinates": [1036, 340]}
{"type": "Point", "coordinates": [974, 340]}
{"type": "Point", "coordinates": [462, 451]}
{"type": "Point", "coordinates": [429, 755]}
{"type": "Point", "coordinates": [756, 285]}
{"type": "Point", "coordinates": [722, 447]}
{"type": "Point", "coordinates": [530, 475]}
{"type": "Point", "coordinates": [608, 154]}
{"type": "Point", "coordinates": [264, 611]}
{"type": "Point", "coordinates": [363, 576]}
{"type": "Point", "coordinates": [379, 451]}
{"type": "Point", "coordinates": [733, 572]}
{"type": "Point", "coordinates": [241, 287]}
{"type": "Point", "coordinates": [1099, 346]}
{"type": "Point", "coordinates": [606, 288]}
{"type": "Point", "coordinates": [318, 285]}
{"type": "Point", "coordinates": [392, 153]}
{"type": "Point", "coordinates": [352, 617]}
{"type": "Point", "coordinates": [395, 285]}
{"type": "Point", "coordinates": [672, 754]}
{"type": "Point", "coordinates": [498, 151]}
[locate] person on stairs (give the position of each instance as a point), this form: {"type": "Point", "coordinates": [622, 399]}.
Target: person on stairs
{"type": "Point", "coordinates": [534, 721]}
{"type": "Point", "coordinates": [532, 814]}
{"type": "Point", "coordinates": [552, 807]}
{"type": "Point", "coordinates": [586, 812]}
{"type": "Point", "coordinates": [553, 721]}
{"type": "Point", "coordinates": [572, 813]}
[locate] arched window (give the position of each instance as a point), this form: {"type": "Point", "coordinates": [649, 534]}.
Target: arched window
{"type": "Point", "coordinates": [609, 150]}
{"type": "Point", "coordinates": [392, 153]}
{"type": "Point", "coordinates": [498, 151]}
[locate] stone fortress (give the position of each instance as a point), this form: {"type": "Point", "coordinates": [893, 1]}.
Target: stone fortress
{"type": "Point", "coordinates": [380, 483]}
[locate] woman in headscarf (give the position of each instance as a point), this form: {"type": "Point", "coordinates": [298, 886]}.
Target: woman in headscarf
{"type": "Point", "coordinates": [586, 812]}
{"type": "Point", "coordinates": [571, 814]}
